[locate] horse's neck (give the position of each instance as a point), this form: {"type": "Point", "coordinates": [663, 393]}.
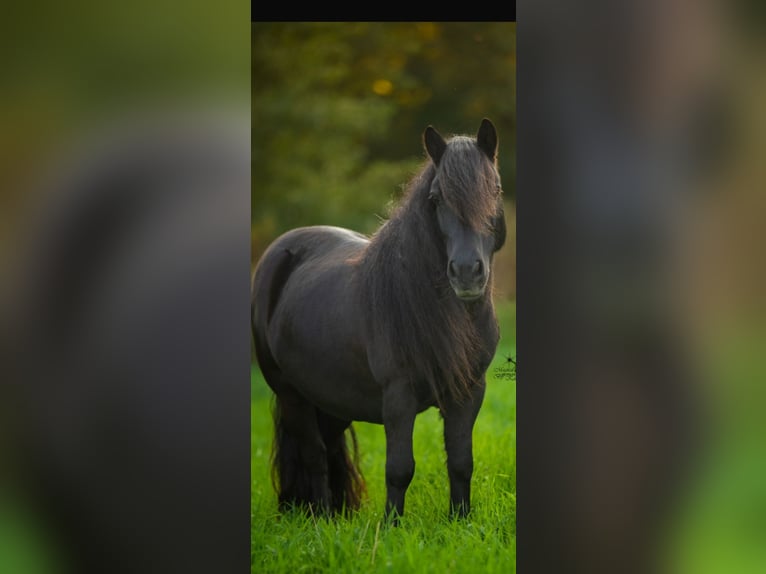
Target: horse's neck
{"type": "Point", "coordinates": [404, 251]}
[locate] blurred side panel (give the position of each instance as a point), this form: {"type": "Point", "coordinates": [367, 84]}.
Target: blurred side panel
{"type": "Point", "coordinates": [124, 244]}
{"type": "Point", "coordinates": [640, 286]}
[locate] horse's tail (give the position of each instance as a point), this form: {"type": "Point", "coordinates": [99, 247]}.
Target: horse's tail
{"type": "Point", "coordinates": [347, 486]}
{"type": "Point", "coordinates": [291, 476]}
{"type": "Point", "coordinates": [333, 483]}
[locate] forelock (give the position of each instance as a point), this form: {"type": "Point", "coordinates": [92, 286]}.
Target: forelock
{"type": "Point", "coordinates": [468, 182]}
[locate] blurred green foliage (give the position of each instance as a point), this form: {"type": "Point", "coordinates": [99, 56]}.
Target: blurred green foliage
{"type": "Point", "coordinates": [71, 69]}
{"type": "Point", "coordinates": [338, 111]}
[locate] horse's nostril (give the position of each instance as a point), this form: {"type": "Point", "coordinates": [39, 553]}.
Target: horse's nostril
{"type": "Point", "coordinates": [477, 268]}
{"type": "Point", "coordinates": [465, 271]}
{"type": "Point", "coordinates": [451, 269]}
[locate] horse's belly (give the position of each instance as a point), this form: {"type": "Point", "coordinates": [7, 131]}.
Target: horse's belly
{"type": "Point", "coordinates": [329, 381]}
{"type": "Point", "coordinates": [321, 357]}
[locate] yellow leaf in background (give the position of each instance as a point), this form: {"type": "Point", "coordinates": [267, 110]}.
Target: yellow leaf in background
{"type": "Point", "coordinates": [382, 87]}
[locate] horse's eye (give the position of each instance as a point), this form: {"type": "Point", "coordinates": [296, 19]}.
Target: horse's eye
{"type": "Point", "coordinates": [435, 197]}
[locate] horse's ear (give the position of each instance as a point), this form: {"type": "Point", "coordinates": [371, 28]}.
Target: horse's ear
{"type": "Point", "coordinates": [487, 139]}
{"type": "Point", "coordinates": [435, 144]}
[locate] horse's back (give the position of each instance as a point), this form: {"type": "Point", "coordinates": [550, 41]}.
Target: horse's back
{"type": "Point", "coordinates": [317, 240]}
{"type": "Point", "coordinates": [317, 246]}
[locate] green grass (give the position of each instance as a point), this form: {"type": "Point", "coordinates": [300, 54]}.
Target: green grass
{"type": "Point", "coordinates": [426, 541]}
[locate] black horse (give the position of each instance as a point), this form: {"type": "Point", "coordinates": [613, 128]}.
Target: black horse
{"type": "Point", "coordinates": [379, 329]}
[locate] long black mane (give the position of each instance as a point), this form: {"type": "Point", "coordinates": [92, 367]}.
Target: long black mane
{"type": "Point", "coordinates": [410, 304]}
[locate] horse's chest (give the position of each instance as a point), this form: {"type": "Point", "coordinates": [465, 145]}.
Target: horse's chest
{"type": "Point", "coordinates": [424, 395]}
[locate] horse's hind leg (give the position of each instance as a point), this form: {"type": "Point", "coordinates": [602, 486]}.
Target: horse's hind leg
{"type": "Point", "coordinates": [300, 455]}
{"type": "Point", "coordinates": [344, 478]}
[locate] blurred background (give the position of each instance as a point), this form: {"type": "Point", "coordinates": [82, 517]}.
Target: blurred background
{"type": "Point", "coordinates": [339, 110]}
{"type": "Point", "coordinates": [640, 130]}
{"type": "Point", "coordinates": [124, 273]}
{"type": "Point", "coordinates": [640, 290]}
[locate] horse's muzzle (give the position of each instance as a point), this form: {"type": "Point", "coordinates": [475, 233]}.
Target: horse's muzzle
{"type": "Point", "coordinates": [468, 295]}
{"type": "Point", "coordinates": [468, 279]}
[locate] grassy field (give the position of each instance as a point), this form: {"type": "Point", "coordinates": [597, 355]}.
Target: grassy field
{"type": "Point", "coordinates": [426, 541]}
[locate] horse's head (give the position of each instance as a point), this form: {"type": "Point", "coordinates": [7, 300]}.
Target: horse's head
{"type": "Point", "coordinates": [466, 197]}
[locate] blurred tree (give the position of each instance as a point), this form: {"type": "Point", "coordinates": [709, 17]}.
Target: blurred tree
{"type": "Point", "coordinates": [338, 110]}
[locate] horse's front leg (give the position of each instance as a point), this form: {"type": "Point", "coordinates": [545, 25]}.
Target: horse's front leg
{"type": "Point", "coordinates": [399, 410]}
{"type": "Point", "coordinates": [458, 428]}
